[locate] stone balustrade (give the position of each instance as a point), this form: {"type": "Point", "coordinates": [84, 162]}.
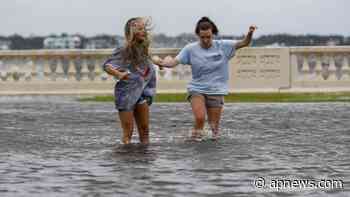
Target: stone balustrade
{"type": "Point", "coordinates": [252, 70]}
{"type": "Point", "coordinates": [316, 67]}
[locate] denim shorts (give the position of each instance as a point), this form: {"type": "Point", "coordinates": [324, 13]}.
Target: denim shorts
{"type": "Point", "coordinates": [142, 100]}
{"type": "Point", "coordinates": [210, 100]}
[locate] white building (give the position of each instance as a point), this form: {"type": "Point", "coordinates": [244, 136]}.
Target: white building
{"type": "Point", "coordinates": [100, 43]}
{"type": "Point", "coordinates": [5, 44]}
{"type": "Point", "coordinates": [63, 42]}
{"type": "Point", "coordinates": [333, 42]}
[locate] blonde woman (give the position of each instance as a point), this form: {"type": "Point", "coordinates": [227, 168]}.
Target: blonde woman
{"type": "Point", "coordinates": [134, 91]}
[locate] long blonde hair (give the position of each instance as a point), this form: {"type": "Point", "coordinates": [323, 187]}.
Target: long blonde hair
{"type": "Point", "coordinates": [135, 52]}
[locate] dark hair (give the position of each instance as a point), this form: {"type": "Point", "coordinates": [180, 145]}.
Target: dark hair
{"type": "Point", "coordinates": [204, 24]}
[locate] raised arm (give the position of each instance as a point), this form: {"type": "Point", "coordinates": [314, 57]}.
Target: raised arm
{"type": "Point", "coordinates": [248, 38]}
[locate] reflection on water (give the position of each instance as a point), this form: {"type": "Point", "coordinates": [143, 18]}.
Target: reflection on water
{"type": "Point", "coordinates": [56, 146]}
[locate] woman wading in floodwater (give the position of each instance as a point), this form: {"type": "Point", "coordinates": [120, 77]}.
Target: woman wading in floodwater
{"type": "Point", "coordinates": [209, 61]}
{"type": "Point", "coordinates": [133, 92]}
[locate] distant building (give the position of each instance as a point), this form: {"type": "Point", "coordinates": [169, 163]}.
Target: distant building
{"type": "Point", "coordinates": [101, 43]}
{"type": "Point", "coordinates": [5, 44]}
{"type": "Point", "coordinates": [333, 42]}
{"type": "Point", "coordinates": [275, 45]}
{"type": "Point", "coordinates": [63, 42]}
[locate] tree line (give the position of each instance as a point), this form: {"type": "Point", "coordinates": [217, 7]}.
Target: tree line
{"type": "Point", "coordinates": [18, 42]}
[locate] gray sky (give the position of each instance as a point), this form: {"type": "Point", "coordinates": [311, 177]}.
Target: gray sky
{"type": "Point", "coordinates": [90, 17]}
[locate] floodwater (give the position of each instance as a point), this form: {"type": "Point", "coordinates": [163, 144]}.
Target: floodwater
{"type": "Point", "coordinates": [57, 146]}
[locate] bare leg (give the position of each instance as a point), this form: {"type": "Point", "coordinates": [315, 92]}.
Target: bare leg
{"type": "Point", "coordinates": [127, 122]}
{"type": "Point", "coordinates": [198, 110]}
{"type": "Point", "coordinates": [214, 115]}
{"type": "Point", "coordinates": [141, 114]}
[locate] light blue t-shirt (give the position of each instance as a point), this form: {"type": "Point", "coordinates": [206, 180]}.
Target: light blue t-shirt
{"type": "Point", "coordinates": [210, 67]}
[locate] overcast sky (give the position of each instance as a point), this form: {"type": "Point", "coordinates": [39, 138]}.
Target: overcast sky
{"type": "Point", "coordinates": [91, 17]}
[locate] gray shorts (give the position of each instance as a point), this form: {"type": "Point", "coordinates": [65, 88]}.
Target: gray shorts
{"type": "Point", "coordinates": [210, 100]}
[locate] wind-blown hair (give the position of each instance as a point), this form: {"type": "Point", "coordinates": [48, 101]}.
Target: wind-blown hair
{"type": "Point", "coordinates": [136, 52]}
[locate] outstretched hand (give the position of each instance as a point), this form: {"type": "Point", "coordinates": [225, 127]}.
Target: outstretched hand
{"type": "Point", "coordinates": [158, 61]}
{"type": "Point", "coordinates": [252, 28]}
{"type": "Point", "coordinates": [168, 62]}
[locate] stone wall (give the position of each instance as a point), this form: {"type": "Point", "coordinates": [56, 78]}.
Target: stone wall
{"type": "Point", "coordinates": [311, 69]}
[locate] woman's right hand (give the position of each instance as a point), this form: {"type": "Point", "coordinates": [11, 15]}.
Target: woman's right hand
{"type": "Point", "coordinates": [123, 75]}
{"type": "Point", "coordinates": [120, 74]}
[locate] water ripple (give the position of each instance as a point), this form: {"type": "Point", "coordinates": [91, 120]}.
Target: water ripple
{"type": "Point", "coordinates": [56, 146]}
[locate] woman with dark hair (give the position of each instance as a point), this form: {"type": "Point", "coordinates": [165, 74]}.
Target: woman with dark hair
{"type": "Point", "coordinates": [209, 61]}
{"type": "Point", "coordinates": [131, 64]}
